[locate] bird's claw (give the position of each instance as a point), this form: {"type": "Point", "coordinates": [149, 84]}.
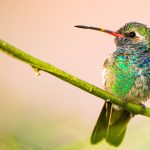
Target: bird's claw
{"type": "Point", "coordinates": [142, 107]}
{"type": "Point", "coordinates": [125, 101]}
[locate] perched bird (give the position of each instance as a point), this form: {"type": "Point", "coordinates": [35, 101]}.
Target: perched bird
{"type": "Point", "coordinates": [127, 76]}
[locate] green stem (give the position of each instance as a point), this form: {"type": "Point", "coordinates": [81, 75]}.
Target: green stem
{"type": "Point", "coordinates": [44, 66]}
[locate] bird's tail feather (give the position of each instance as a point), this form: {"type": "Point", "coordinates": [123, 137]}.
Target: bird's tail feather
{"type": "Point", "coordinates": [111, 125]}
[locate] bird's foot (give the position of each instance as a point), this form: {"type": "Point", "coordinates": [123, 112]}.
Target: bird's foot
{"type": "Point", "coordinates": [142, 107]}
{"type": "Point", "coordinates": [125, 101]}
{"type": "Point", "coordinates": [132, 114]}
{"type": "Point", "coordinates": [142, 110]}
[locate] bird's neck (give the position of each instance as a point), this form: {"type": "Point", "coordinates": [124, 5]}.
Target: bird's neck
{"type": "Point", "coordinates": [132, 49]}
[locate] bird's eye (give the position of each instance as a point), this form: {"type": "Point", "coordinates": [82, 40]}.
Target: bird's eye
{"type": "Point", "coordinates": [132, 34]}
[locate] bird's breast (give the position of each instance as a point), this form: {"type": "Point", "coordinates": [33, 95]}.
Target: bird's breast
{"type": "Point", "coordinates": [127, 77]}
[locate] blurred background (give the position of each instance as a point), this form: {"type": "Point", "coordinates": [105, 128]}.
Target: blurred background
{"type": "Point", "coordinates": [46, 113]}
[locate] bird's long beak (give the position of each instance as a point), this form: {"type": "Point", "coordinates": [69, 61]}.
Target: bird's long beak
{"type": "Point", "coordinates": [100, 29]}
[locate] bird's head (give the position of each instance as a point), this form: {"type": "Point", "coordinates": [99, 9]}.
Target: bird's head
{"type": "Point", "coordinates": [133, 33]}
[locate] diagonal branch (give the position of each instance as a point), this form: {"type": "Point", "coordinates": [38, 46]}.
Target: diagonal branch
{"type": "Point", "coordinates": [44, 66]}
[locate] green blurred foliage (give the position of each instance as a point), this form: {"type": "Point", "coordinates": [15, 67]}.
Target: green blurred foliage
{"type": "Point", "coordinates": [46, 135]}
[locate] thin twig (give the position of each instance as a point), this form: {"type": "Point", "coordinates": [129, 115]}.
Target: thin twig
{"type": "Point", "coordinates": [44, 66]}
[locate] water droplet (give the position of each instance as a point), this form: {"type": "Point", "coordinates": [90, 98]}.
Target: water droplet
{"type": "Point", "coordinates": [37, 72]}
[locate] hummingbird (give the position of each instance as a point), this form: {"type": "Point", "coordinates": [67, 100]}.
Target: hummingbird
{"type": "Point", "coordinates": [127, 76]}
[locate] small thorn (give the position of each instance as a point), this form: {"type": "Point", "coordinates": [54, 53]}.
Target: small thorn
{"type": "Point", "coordinates": [37, 72]}
{"type": "Point", "coordinates": [91, 89]}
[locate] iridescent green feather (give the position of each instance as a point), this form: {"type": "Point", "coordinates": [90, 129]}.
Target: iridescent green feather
{"type": "Point", "coordinates": [124, 76]}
